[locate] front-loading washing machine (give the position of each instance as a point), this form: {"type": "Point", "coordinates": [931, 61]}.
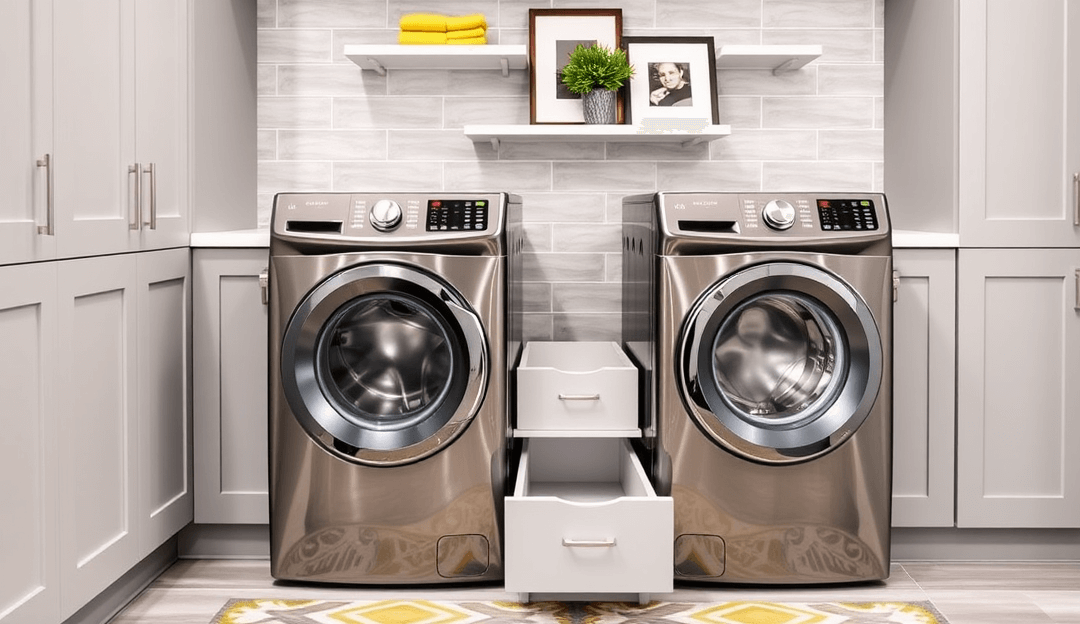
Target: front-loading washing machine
{"type": "Point", "coordinates": [390, 344]}
{"type": "Point", "coordinates": [763, 322]}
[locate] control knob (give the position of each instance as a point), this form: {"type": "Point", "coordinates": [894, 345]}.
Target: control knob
{"type": "Point", "coordinates": [778, 214]}
{"type": "Point", "coordinates": [385, 215]}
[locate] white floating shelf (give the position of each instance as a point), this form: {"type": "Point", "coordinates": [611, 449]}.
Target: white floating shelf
{"type": "Point", "coordinates": [777, 58]}
{"type": "Point", "coordinates": [556, 133]}
{"type": "Point", "coordinates": [380, 58]}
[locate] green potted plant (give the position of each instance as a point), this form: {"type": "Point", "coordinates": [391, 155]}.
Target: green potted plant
{"type": "Point", "coordinates": [596, 73]}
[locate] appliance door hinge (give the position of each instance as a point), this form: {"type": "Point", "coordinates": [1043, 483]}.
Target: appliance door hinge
{"type": "Point", "coordinates": [895, 286]}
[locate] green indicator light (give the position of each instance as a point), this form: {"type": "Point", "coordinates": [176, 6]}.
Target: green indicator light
{"type": "Point", "coordinates": [865, 203]}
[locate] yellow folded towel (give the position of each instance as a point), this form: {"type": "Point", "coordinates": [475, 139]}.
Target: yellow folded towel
{"type": "Point", "coordinates": [423, 22]}
{"type": "Point", "coordinates": [466, 22]}
{"type": "Point", "coordinates": [472, 33]}
{"type": "Point", "coordinates": [469, 41]}
{"type": "Point", "coordinates": [421, 38]}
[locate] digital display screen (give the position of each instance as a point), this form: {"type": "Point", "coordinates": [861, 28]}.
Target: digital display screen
{"type": "Point", "coordinates": [457, 215]}
{"type": "Point", "coordinates": [847, 214]}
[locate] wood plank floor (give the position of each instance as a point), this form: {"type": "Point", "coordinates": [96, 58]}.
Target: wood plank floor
{"type": "Point", "coordinates": [192, 591]}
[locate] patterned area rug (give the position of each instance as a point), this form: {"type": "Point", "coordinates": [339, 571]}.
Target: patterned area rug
{"type": "Point", "coordinates": [466, 612]}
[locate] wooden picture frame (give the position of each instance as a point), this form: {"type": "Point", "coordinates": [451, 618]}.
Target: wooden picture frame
{"type": "Point", "coordinates": [674, 80]}
{"type": "Point", "coordinates": [553, 35]}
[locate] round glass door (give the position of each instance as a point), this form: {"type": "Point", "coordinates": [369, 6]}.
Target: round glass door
{"type": "Point", "coordinates": [383, 364]}
{"type": "Point", "coordinates": [781, 362]}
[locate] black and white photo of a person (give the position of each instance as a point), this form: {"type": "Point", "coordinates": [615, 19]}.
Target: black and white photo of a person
{"type": "Point", "coordinates": [669, 84]}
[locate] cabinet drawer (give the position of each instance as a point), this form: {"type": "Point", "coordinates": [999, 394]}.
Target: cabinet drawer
{"type": "Point", "coordinates": [585, 519]}
{"type": "Point", "coordinates": [576, 386]}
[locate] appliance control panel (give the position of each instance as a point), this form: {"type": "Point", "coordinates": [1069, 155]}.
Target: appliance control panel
{"type": "Point", "coordinates": [457, 214]}
{"type": "Point", "coordinates": [374, 216]}
{"type": "Point", "coordinates": [847, 214]}
{"type": "Point", "coordinates": [774, 216]}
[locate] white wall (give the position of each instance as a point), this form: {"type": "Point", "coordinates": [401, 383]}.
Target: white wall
{"type": "Point", "coordinates": [324, 125]}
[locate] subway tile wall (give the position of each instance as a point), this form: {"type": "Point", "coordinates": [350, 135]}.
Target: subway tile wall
{"type": "Point", "coordinates": [326, 125]}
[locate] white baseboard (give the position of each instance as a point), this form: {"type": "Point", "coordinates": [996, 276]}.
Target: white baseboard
{"type": "Point", "coordinates": [225, 541]}
{"type": "Point", "coordinates": [951, 544]}
{"type": "Point", "coordinates": [117, 596]}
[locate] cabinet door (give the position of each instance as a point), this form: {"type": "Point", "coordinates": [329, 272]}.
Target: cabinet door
{"type": "Point", "coordinates": [98, 441]}
{"type": "Point", "coordinates": [29, 574]}
{"type": "Point", "coordinates": [230, 355]}
{"type": "Point", "coordinates": [924, 387]}
{"type": "Point", "coordinates": [25, 123]}
{"type": "Point", "coordinates": [1019, 123]}
{"type": "Point", "coordinates": [164, 417]}
{"type": "Point", "coordinates": [1018, 408]}
{"type": "Point", "coordinates": [161, 121]}
{"type": "Point", "coordinates": [93, 129]}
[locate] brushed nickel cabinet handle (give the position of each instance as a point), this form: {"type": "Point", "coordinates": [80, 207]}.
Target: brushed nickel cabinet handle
{"type": "Point", "coordinates": [569, 543]}
{"type": "Point", "coordinates": [579, 397]}
{"type": "Point", "coordinates": [136, 223]}
{"type": "Point", "coordinates": [264, 285]}
{"type": "Point", "coordinates": [47, 229]}
{"type": "Point", "coordinates": [1076, 198]}
{"type": "Point", "coordinates": [1076, 304]}
{"type": "Point", "coordinates": [152, 170]}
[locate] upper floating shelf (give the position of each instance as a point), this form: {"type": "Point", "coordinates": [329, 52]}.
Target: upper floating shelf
{"type": "Point", "coordinates": [380, 58]}
{"type": "Point", "coordinates": [561, 133]}
{"type": "Point", "coordinates": [777, 58]}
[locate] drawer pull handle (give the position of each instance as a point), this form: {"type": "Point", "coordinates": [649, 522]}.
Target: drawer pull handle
{"type": "Point", "coordinates": [579, 397]}
{"type": "Point", "coordinates": [569, 543]}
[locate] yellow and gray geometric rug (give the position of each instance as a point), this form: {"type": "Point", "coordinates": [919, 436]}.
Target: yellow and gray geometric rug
{"type": "Point", "coordinates": [476, 612]}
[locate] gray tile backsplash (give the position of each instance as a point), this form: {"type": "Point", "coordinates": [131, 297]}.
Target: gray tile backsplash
{"type": "Point", "coordinates": [326, 125]}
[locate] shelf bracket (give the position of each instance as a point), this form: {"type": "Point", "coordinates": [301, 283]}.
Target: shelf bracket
{"type": "Point", "coordinates": [785, 66]}
{"type": "Point", "coordinates": [505, 64]}
{"type": "Point", "coordinates": [377, 66]}
{"type": "Point", "coordinates": [694, 141]}
{"type": "Point", "coordinates": [495, 143]}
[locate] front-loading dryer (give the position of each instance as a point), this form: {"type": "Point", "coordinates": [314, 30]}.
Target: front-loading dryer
{"type": "Point", "coordinates": [763, 322]}
{"type": "Point", "coordinates": [390, 344]}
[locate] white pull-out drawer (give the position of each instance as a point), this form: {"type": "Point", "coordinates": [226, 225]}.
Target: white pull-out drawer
{"type": "Point", "coordinates": [585, 519]}
{"type": "Point", "coordinates": [576, 386]}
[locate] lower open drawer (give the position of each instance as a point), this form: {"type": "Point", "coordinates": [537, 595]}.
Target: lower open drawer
{"type": "Point", "coordinates": [585, 519]}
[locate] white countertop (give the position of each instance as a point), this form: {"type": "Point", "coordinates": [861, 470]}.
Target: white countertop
{"type": "Point", "coordinates": [902, 239]}
{"type": "Point", "coordinates": [234, 238]}
{"type": "Point", "coordinates": [911, 239]}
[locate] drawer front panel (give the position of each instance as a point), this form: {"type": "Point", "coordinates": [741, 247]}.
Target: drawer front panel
{"type": "Point", "coordinates": [557, 546]}
{"type": "Point", "coordinates": [550, 399]}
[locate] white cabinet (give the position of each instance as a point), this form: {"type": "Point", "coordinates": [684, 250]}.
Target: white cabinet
{"type": "Point", "coordinates": [166, 497]}
{"type": "Point", "coordinates": [25, 130]}
{"type": "Point", "coordinates": [1018, 409]}
{"type": "Point", "coordinates": [93, 127]}
{"type": "Point", "coordinates": [1019, 123]}
{"type": "Point", "coordinates": [924, 387]}
{"type": "Point", "coordinates": [95, 367]}
{"type": "Point", "coordinates": [120, 102]}
{"type": "Point", "coordinates": [230, 387]}
{"type": "Point", "coordinates": [29, 570]}
{"type": "Point", "coordinates": [583, 517]}
{"type": "Point", "coordinates": [123, 421]}
{"type": "Point", "coordinates": [98, 435]}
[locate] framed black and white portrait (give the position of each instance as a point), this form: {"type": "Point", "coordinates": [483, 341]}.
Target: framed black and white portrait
{"type": "Point", "coordinates": [674, 78]}
{"type": "Point", "coordinates": [553, 35]}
